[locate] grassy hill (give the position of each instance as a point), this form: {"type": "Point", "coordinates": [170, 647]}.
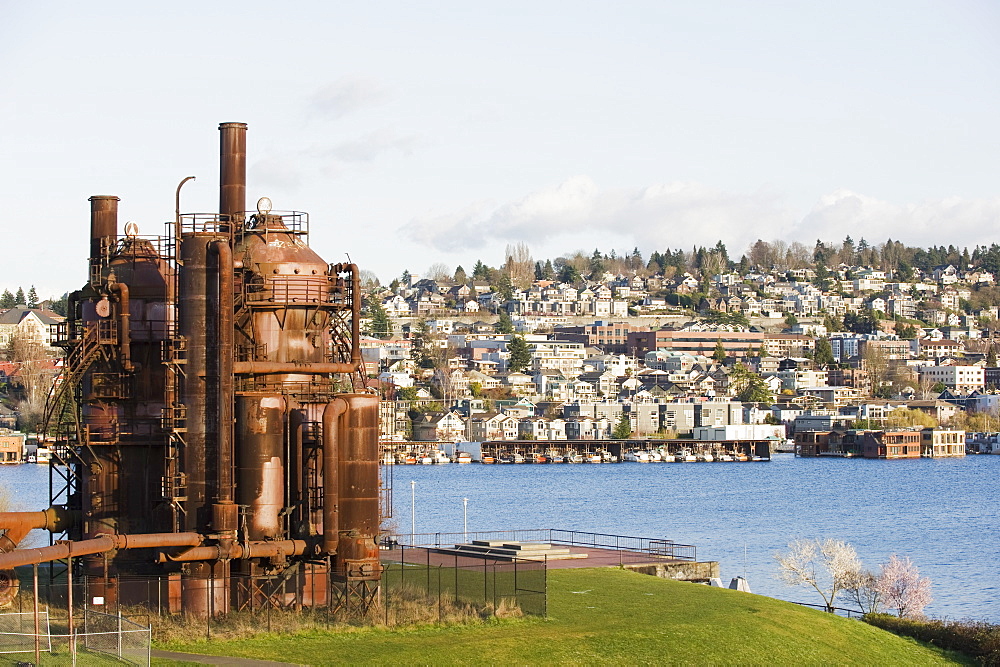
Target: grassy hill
{"type": "Point", "coordinates": [609, 615]}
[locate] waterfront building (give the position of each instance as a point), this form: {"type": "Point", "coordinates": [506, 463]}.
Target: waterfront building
{"type": "Point", "coordinates": [939, 443]}
{"type": "Point", "coordinates": [890, 444]}
{"type": "Point", "coordinates": [11, 447]}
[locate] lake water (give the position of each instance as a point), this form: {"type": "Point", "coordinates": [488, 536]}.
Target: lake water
{"type": "Point", "coordinates": [942, 513]}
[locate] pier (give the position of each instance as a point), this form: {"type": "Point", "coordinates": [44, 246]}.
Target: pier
{"type": "Point", "coordinates": [650, 450]}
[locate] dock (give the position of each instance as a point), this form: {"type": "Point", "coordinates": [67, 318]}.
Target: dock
{"type": "Point", "coordinates": [649, 450]}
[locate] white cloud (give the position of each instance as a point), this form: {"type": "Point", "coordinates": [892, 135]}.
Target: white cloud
{"type": "Point", "coordinates": [673, 215]}
{"type": "Point", "coordinates": [369, 147]}
{"type": "Point", "coordinates": [684, 214]}
{"type": "Point", "coordinates": [347, 95]}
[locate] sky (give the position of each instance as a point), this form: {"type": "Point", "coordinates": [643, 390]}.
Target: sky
{"type": "Point", "coordinates": [417, 133]}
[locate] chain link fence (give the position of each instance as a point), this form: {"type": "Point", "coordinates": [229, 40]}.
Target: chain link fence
{"type": "Point", "coordinates": [17, 632]}
{"type": "Point", "coordinates": [104, 639]}
{"type": "Point", "coordinates": [497, 585]}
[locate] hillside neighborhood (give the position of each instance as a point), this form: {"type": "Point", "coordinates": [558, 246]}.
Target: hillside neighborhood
{"type": "Point", "coordinates": [686, 345]}
{"type": "Point", "coordinates": [545, 354]}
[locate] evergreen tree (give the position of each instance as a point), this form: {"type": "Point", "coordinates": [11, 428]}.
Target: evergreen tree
{"type": "Point", "coordinates": [504, 325]}
{"type": "Point", "coordinates": [32, 298]}
{"type": "Point", "coordinates": [549, 272]}
{"type": "Point", "coordinates": [520, 354]}
{"type": "Point", "coordinates": [596, 264]}
{"type": "Point", "coordinates": [19, 297]}
{"type": "Point", "coordinates": [569, 274]}
{"type": "Point", "coordinates": [719, 355]}
{"type": "Point", "coordinates": [823, 355]}
{"type": "Point", "coordinates": [504, 287]}
{"type": "Point", "coordinates": [381, 325]}
{"type": "Point", "coordinates": [7, 300]}
{"type": "Point", "coordinates": [991, 357]}
{"type": "Point", "coordinates": [623, 429]}
{"type": "Point", "coordinates": [460, 277]}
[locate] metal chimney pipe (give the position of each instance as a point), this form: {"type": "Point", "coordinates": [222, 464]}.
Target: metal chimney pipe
{"type": "Point", "coordinates": [103, 221]}
{"type": "Point", "coordinates": [232, 170]}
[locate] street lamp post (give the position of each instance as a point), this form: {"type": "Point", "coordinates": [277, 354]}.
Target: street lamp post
{"type": "Point", "coordinates": [465, 521]}
{"type": "Point", "coordinates": [413, 510]}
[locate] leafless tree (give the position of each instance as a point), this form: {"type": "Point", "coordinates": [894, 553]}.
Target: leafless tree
{"type": "Point", "coordinates": [862, 590]}
{"type": "Point", "coordinates": [439, 271]}
{"type": "Point", "coordinates": [799, 255]}
{"type": "Point", "coordinates": [34, 377]}
{"type": "Point", "coordinates": [875, 362]}
{"type": "Point", "coordinates": [519, 265]}
{"type": "Point", "coordinates": [827, 566]}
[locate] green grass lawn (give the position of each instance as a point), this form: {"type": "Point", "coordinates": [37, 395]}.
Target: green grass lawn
{"type": "Point", "coordinates": [609, 615]}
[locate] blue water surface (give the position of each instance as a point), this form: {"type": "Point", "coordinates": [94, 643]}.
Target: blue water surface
{"type": "Point", "coordinates": [942, 513]}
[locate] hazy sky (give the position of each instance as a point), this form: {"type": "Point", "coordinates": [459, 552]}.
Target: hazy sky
{"type": "Point", "coordinates": [416, 133]}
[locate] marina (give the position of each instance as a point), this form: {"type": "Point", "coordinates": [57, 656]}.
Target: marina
{"type": "Point", "coordinates": [575, 451]}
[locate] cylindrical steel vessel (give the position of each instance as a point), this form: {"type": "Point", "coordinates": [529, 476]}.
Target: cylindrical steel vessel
{"type": "Point", "coordinates": [260, 430]}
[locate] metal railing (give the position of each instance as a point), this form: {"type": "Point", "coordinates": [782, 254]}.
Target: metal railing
{"type": "Point", "coordinates": [840, 611]}
{"type": "Point", "coordinates": [657, 548]}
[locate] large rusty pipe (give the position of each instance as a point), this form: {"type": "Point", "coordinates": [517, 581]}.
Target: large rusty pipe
{"type": "Point", "coordinates": [332, 413]}
{"type": "Point", "coordinates": [232, 170]}
{"type": "Point", "coordinates": [257, 549]}
{"type": "Point", "coordinates": [223, 316]}
{"type": "Point", "coordinates": [355, 311]}
{"type": "Point", "coordinates": [126, 332]}
{"type": "Point", "coordinates": [103, 222]}
{"type": "Point", "coordinates": [19, 524]}
{"type": "Point", "coordinates": [296, 464]}
{"type": "Point", "coordinates": [292, 368]}
{"type": "Point", "coordinates": [96, 545]}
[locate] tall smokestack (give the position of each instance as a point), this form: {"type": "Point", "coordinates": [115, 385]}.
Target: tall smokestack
{"type": "Point", "coordinates": [232, 169]}
{"type": "Point", "coordinates": [103, 221]}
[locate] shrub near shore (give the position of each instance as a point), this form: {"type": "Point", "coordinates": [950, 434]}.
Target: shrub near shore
{"type": "Point", "coordinates": [975, 638]}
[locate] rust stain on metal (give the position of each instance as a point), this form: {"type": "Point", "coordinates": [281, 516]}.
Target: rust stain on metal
{"type": "Point", "coordinates": [200, 417]}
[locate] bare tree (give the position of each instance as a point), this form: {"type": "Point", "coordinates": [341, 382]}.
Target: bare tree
{"type": "Point", "coordinates": [862, 589]}
{"type": "Point", "coordinates": [34, 376]}
{"type": "Point", "coordinates": [827, 566]}
{"type": "Point", "coordinates": [902, 587]}
{"type": "Point", "coordinates": [439, 271]}
{"type": "Point", "coordinates": [875, 362]}
{"type": "Point", "coordinates": [519, 265]}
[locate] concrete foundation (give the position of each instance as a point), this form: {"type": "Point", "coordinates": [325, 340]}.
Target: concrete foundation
{"type": "Point", "coordinates": [681, 570]}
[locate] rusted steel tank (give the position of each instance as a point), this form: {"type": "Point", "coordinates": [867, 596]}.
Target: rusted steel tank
{"type": "Point", "coordinates": [220, 437]}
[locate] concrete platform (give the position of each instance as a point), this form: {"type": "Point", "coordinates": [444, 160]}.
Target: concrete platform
{"type": "Point", "coordinates": [510, 550]}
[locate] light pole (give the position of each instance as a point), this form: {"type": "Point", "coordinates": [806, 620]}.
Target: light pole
{"type": "Point", "coordinates": [413, 510]}
{"type": "Point", "coordinates": [465, 513]}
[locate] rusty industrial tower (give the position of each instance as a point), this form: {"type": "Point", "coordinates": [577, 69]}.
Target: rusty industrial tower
{"type": "Point", "coordinates": [213, 431]}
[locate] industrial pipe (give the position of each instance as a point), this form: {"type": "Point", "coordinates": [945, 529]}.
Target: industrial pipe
{"type": "Point", "coordinates": [96, 545]}
{"type": "Point", "coordinates": [332, 413]}
{"type": "Point", "coordinates": [103, 222]}
{"type": "Point", "coordinates": [236, 551]}
{"type": "Point", "coordinates": [223, 317]}
{"type": "Point", "coordinates": [293, 368]}
{"type": "Point", "coordinates": [232, 171]}
{"type": "Point", "coordinates": [297, 465]}
{"type": "Point", "coordinates": [177, 215]}
{"type": "Point", "coordinates": [18, 524]}
{"type": "Point", "coordinates": [126, 332]}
